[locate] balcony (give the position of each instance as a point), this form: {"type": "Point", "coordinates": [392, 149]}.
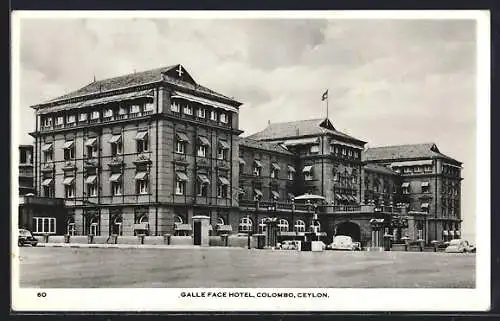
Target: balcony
{"type": "Point", "coordinates": [108, 119]}
{"type": "Point", "coordinates": [71, 124]}
{"type": "Point", "coordinates": [135, 115]}
{"type": "Point", "coordinates": [57, 126]}
{"type": "Point", "coordinates": [147, 112]}
{"type": "Point", "coordinates": [94, 121]}
{"type": "Point", "coordinates": [49, 127]}
{"type": "Point", "coordinates": [121, 116]}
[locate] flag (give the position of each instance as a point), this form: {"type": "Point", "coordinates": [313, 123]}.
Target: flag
{"type": "Point", "coordinates": [325, 95]}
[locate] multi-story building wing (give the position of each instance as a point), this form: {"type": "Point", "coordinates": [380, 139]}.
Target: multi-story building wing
{"type": "Point", "coordinates": [430, 186]}
{"type": "Point", "coordinates": [328, 161]}
{"type": "Point", "coordinates": [140, 153]}
{"type": "Point", "coordinates": [25, 170]}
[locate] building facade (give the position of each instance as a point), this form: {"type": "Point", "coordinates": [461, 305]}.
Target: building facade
{"type": "Point", "coordinates": [144, 153]}
{"type": "Point", "coordinates": [26, 170]}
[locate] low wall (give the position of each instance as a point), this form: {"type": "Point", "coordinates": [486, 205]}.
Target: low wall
{"type": "Point", "coordinates": [398, 247]}
{"type": "Point", "coordinates": [181, 240]}
{"type": "Point", "coordinates": [155, 240]}
{"type": "Point", "coordinates": [53, 239]}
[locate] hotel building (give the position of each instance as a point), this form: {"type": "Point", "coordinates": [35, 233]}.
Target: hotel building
{"type": "Point", "coordinates": [145, 152]}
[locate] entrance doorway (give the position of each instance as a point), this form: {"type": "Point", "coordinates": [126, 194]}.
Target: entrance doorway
{"type": "Point", "coordinates": [197, 233]}
{"type": "Point", "coordinates": [349, 229]}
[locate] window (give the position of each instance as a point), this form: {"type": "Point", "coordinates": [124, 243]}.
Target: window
{"type": "Point", "coordinates": [108, 113]}
{"type": "Point", "coordinates": [142, 186]}
{"type": "Point", "coordinates": [291, 176]}
{"type": "Point", "coordinates": [223, 118]}
{"type": "Point", "coordinates": [201, 113]}
{"type": "Point", "coordinates": [180, 147]}
{"type": "Point", "coordinates": [417, 169]}
{"type": "Point", "coordinates": [300, 226]}
{"type": "Point", "coordinates": [257, 194]}
{"type": "Point", "coordinates": [116, 188]}
{"type": "Point", "coordinates": [180, 183]}
{"type": "Point", "coordinates": [314, 149]}
{"type": "Point", "coordinates": [257, 167]}
{"type": "Point", "coordinates": [202, 151]}
{"type": "Point", "coordinates": [188, 110]}
{"type": "Point", "coordinates": [349, 153]}
{"type": "Point", "coordinates": [407, 170]}
{"type": "Point", "coordinates": [246, 225]}
{"type": "Point", "coordinates": [213, 115]}
{"type": "Point", "coordinates": [425, 187]}
{"type": "Point", "coordinates": [70, 229]}
{"type": "Point", "coordinates": [175, 107]}
{"type": "Point", "coordinates": [222, 149]}
{"type": "Point", "coordinates": [70, 119]}
{"type": "Point", "coordinates": [116, 145]}
{"type": "Point", "coordinates": [94, 115]}
{"type": "Point", "coordinates": [69, 150]}
{"type": "Point", "coordinates": [428, 168]}
{"type": "Point", "coordinates": [222, 191]}
{"type": "Point", "coordinates": [343, 151]}
{"type": "Point", "coordinates": [307, 173]}
{"type": "Point", "coordinates": [275, 169]}
{"type": "Point", "coordinates": [69, 190]}
{"type": "Point", "coordinates": [82, 117]}
{"type": "Point", "coordinates": [91, 183]}
{"type": "Point", "coordinates": [406, 188]}
{"type": "Point", "coordinates": [135, 110]}
{"type": "Point", "coordinates": [263, 225]}
{"type": "Point", "coordinates": [283, 225]}
{"type": "Point", "coordinates": [91, 145]}
{"type": "Point", "coordinates": [44, 225]}
{"type": "Point", "coordinates": [59, 120]}
{"type": "Point", "coordinates": [202, 185]}
{"type": "Point", "coordinates": [47, 122]}
{"type": "Point", "coordinates": [142, 142]}
{"type": "Point", "coordinates": [48, 187]}
{"type": "Point", "coordinates": [356, 154]}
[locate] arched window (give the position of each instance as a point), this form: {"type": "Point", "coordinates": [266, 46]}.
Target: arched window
{"type": "Point", "coordinates": [300, 226]}
{"type": "Point", "coordinates": [117, 225]}
{"type": "Point", "coordinates": [263, 225]}
{"type": "Point", "coordinates": [178, 220]}
{"type": "Point", "coordinates": [283, 225]}
{"type": "Point", "coordinates": [94, 226]}
{"type": "Point", "coordinates": [220, 221]}
{"type": "Point", "coordinates": [245, 225]}
{"type": "Point", "coordinates": [143, 219]}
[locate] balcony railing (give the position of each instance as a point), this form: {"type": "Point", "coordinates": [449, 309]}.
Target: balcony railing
{"type": "Point", "coordinates": [122, 116]}
{"type": "Point", "coordinates": [147, 112]}
{"type": "Point", "coordinates": [71, 124]}
{"type": "Point", "coordinates": [106, 119]}
{"type": "Point", "coordinates": [94, 121]}
{"type": "Point", "coordinates": [135, 115]}
{"type": "Point", "coordinates": [59, 126]}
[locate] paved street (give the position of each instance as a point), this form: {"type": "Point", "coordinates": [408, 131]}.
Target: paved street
{"type": "Point", "coordinates": [218, 267]}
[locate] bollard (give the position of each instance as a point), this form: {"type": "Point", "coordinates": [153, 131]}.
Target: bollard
{"type": "Point", "coordinates": [167, 239]}
{"type": "Point", "coordinates": [90, 238]}
{"type": "Point", "coordinates": [141, 238]}
{"type": "Point", "coordinates": [66, 238]}
{"type": "Point", "coordinates": [46, 238]}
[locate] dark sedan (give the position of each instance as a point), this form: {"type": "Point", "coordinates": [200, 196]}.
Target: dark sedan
{"type": "Point", "coordinates": [25, 238]}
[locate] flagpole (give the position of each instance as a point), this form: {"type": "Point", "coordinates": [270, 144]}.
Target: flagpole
{"type": "Point", "coordinates": [326, 107]}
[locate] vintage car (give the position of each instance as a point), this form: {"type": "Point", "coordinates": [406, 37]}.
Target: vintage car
{"type": "Point", "coordinates": [344, 243]}
{"type": "Point", "coordinates": [460, 246]}
{"type": "Point", "coordinates": [25, 237]}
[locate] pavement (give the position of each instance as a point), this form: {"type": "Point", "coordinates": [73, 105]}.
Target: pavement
{"type": "Point", "coordinates": [145, 266]}
{"type": "Point", "coordinates": [133, 246]}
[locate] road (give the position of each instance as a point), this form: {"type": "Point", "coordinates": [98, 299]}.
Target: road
{"type": "Point", "coordinates": [219, 267]}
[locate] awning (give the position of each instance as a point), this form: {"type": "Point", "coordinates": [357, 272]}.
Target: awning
{"type": "Point", "coordinates": [91, 141]}
{"type": "Point", "coordinates": [68, 144]}
{"type": "Point", "coordinates": [115, 139]}
{"type": "Point", "coordinates": [182, 137]}
{"type": "Point", "coordinates": [276, 195]}
{"type": "Point", "coordinates": [445, 232]}
{"type": "Point", "coordinates": [203, 179]}
{"type": "Point", "coordinates": [307, 169]}
{"type": "Point", "coordinates": [99, 101]}
{"type": "Point", "coordinates": [223, 144]}
{"type": "Point", "coordinates": [115, 177]}
{"type": "Point", "coordinates": [301, 141]}
{"type": "Point", "coordinates": [183, 227]}
{"type": "Point", "coordinates": [223, 180]}
{"type": "Point", "coordinates": [425, 184]}
{"type": "Point", "coordinates": [257, 192]}
{"type": "Point", "coordinates": [406, 184]}
{"type": "Point", "coordinates": [46, 147]}
{"type": "Point", "coordinates": [291, 196]}
{"type": "Point", "coordinates": [257, 163]}
{"type": "Point", "coordinates": [47, 182]}
{"type": "Point", "coordinates": [141, 176]}
{"type": "Point", "coordinates": [203, 141]}
{"type": "Point", "coordinates": [424, 205]}
{"type": "Point", "coordinates": [291, 169]}
{"type": "Point", "coordinates": [182, 176]}
{"type": "Point", "coordinates": [91, 179]}
{"type": "Point", "coordinates": [141, 135]}
{"type": "Point", "coordinates": [412, 163]}
{"type": "Point", "coordinates": [338, 197]}
{"type": "Point", "coordinates": [276, 166]}
{"type": "Point", "coordinates": [345, 198]}
{"type": "Point", "coordinates": [352, 198]}
{"type": "Point", "coordinates": [68, 180]}
{"type": "Point", "coordinates": [203, 101]}
{"type": "Point", "coordinates": [242, 161]}
{"type": "Point", "coordinates": [343, 144]}
{"type": "Point", "coordinates": [377, 220]}
{"type": "Point", "coordinates": [457, 233]}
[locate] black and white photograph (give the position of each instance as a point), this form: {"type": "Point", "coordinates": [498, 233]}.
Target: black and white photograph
{"type": "Point", "coordinates": [323, 160]}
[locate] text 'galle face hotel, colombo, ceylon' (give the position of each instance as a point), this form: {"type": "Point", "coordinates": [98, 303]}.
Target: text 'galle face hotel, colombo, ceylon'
{"type": "Point", "coordinates": [145, 152]}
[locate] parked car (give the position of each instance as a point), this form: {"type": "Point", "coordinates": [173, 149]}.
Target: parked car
{"type": "Point", "coordinates": [25, 237]}
{"type": "Point", "coordinates": [460, 246]}
{"type": "Point", "coordinates": [344, 243]}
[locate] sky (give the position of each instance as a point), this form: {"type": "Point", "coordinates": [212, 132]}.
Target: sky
{"type": "Point", "coordinates": [390, 81]}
